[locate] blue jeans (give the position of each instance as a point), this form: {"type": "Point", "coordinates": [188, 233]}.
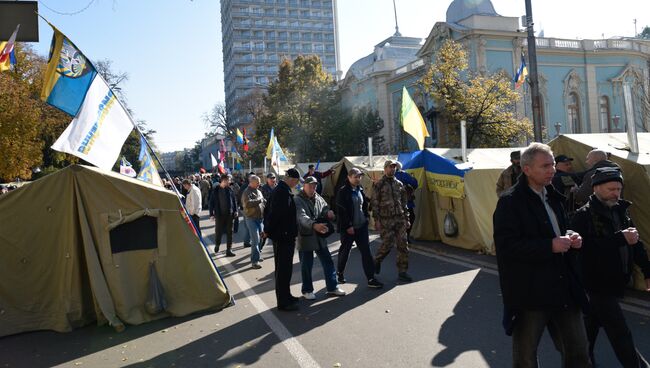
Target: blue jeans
{"type": "Point", "coordinates": [307, 263]}
{"type": "Point", "coordinates": [254, 227]}
{"type": "Point", "coordinates": [247, 234]}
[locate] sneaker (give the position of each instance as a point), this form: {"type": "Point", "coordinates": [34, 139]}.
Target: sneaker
{"type": "Point", "coordinates": [340, 278]}
{"type": "Point", "coordinates": [337, 292]}
{"type": "Point", "coordinates": [256, 265]}
{"type": "Point", "coordinates": [375, 284]}
{"type": "Point", "coordinates": [377, 267]}
{"type": "Point", "coordinates": [309, 296]}
{"type": "Point", "coordinates": [404, 277]}
{"type": "Point", "coordinates": [247, 245]}
{"type": "Point", "coordinates": [229, 253]}
{"type": "Point", "coordinates": [261, 259]}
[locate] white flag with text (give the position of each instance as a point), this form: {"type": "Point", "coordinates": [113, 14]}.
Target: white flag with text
{"type": "Point", "coordinates": [99, 130]}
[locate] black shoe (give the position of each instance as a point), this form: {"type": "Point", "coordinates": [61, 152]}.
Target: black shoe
{"type": "Point", "coordinates": [261, 259]}
{"type": "Point", "coordinates": [377, 267]}
{"type": "Point", "coordinates": [340, 278]}
{"type": "Point", "coordinates": [375, 284]}
{"type": "Point", "coordinates": [229, 253]}
{"type": "Point", "coordinates": [294, 299]}
{"type": "Point", "coordinates": [404, 277]}
{"type": "Point", "coordinates": [246, 245]}
{"type": "Point", "coordinates": [289, 307]}
{"type": "Point", "coordinates": [216, 250]}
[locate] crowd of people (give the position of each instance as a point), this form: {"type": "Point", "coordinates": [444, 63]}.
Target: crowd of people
{"type": "Point", "coordinates": [565, 247]}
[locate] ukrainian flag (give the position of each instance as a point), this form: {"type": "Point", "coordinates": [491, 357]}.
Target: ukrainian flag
{"type": "Point", "coordinates": [522, 72]}
{"type": "Point", "coordinates": [269, 148]}
{"type": "Point", "coordinates": [240, 137]}
{"type": "Point", "coordinates": [68, 76]}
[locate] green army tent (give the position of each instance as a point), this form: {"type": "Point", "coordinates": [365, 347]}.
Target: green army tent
{"type": "Point", "coordinates": [635, 167]}
{"type": "Point", "coordinates": [81, 245]}
{"type": "Point", "coordinates": [372, 170]}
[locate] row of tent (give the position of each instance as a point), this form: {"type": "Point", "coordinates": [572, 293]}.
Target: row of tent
{"type": "Point", "coordinates": [437, 195]}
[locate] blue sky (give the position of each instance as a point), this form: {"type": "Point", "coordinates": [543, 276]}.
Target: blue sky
{"type": "Point", "coordinates": [171, 49]}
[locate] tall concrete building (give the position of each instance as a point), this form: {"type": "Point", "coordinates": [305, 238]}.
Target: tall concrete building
{"type": "Point", "coordinates": [258, 34]}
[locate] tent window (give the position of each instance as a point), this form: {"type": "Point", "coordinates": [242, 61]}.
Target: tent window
{"type": "Point", "coordinates": [135, 235]}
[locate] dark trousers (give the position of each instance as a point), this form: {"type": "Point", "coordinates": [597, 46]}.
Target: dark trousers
{"type": "Point", "coordinates": [566, 329]}
{"type": "Point", "coordinates": [360, 237]}
{"type": "Point", "coordinates": [604, 311]}
{"type": "Point", "coordinates": [283, 257]}
{"type": "Point", "coordinates": [195, 220]}
{"type": "Point", "coordinates": [411, 222]}
{"type": "Point", "coordinates": [223, 225]}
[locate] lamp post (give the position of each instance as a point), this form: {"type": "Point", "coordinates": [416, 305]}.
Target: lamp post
{"type": "Point", "coordinates": [558, 126]}
{"type": "Point", "coordinates": [534, 82]}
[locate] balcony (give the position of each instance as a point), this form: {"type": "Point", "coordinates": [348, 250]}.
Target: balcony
{"type": "Point", "coordinates": [590, 45]}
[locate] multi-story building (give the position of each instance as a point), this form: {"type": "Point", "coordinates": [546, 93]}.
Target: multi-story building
{"type": "Point", "coordinates": [258, 34]}
{"type": "Point", "coordinates": [168, 160]}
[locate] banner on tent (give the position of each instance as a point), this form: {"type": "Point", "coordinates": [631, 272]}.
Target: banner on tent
{"type": "Point", "coordinates": [446, 185]}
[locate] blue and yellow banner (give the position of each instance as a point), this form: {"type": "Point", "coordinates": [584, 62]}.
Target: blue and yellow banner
{"type": "Point", "coordinates": [441, 174]}
{"type": "Point", "coordinates": [68, 76]}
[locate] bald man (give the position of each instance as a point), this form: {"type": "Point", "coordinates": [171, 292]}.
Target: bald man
{"type": "Point", "coordinates": [596, 159]}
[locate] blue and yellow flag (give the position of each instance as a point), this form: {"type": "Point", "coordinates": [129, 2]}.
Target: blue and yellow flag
{"type": "Point", "coordinates": [522, 72]}
{"type": "Point", "coordinates": [240, 137]}
{"type": "Point", "coordinates": [68, 76]}
{"type": "Point", "coordinates": [148, 171]}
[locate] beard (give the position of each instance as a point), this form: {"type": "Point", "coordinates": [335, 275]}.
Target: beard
{"type": "Point", "coordinates": [607, 202]}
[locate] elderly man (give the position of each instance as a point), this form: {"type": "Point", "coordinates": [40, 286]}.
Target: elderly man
{"type": "Point", "coordinates": [611, 246]}
{"type": "Point", "coordinates": [193, 202]}
{"type": "Point", "coordinates": [538, 265]}
{"type": "Point", "coordinates": [509, 176]}
{"type": "Point", "coordinates": [253, 203]}
{"type": "Point", "coordinates": [390, 212]}
{"type": "Point", "coordinates": [595, 159]}
{"type": "Point", "coordinates": [280, 224]}
{"type": "Point", "coordinates": [311, 211]}
{"type": "Point", "coordinates": [271, 183]}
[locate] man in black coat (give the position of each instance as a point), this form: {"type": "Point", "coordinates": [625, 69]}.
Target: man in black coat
{"type": "Point", "coordinates": [611, 246]}
{"type": "Point", "coordinates": [595, 159]}
{"type": "Point", "coordinates": [352, 213]}
{"type": "Point", "coordinates": [538, 265]}
{"type": "Point", "coordinates": [280, 224]}
{"type": "Point", "coordinates": [223, 210]}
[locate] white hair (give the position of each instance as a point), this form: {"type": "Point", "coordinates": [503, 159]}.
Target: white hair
{"type": "Point", "coordinates": [528, 155]}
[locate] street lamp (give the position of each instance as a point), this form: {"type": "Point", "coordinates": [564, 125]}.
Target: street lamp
{"type": "Point", "coordinates": [558, 126]}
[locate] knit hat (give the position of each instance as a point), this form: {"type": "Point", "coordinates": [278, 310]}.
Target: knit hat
{"type": "Point", "coordinates": [606, 174]}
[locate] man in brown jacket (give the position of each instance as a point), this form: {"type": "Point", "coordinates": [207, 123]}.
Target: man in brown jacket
{"type": "Point", "coordinates": [509, 176]}
{"type": "Point", "coordinates": [253, 203]}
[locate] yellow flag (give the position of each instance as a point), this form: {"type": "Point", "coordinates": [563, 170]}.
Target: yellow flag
{"type": "Point", "coordinates": [412, 121]}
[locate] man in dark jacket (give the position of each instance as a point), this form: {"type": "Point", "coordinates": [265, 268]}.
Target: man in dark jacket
{"type": "Point", "coordinates": [352, 210]}
{"type": "Point", "coordinates": [538, 265]}
{"type": "Point", "coordinates": [281, 225]}
{"type": "Point", "coordinates": [611, 246]}
{"type": "Point", "coordinates": [223, 210]}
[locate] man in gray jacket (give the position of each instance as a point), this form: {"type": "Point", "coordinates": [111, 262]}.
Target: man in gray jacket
{"type": "Point", "coordinates": [253, 203]}
{"type": "Point", "coordinates": [311, 209]}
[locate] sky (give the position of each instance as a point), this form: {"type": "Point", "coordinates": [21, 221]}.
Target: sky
{"type": "Point", "coordinates": [171, 49]}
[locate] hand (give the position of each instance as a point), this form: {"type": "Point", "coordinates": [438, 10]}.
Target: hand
{"type": "Point", "coordinates": [330, 215]}
{"type": "Point", "coordinates": [263, 235]}
{"type": "Point", "coordinates": [561, 244]}
{"type": "Point", "coordinates": [377, 225]}
{"type": "Point", "coordinates": [631, 235]}
{"type": "Point", "coordinates": [576, 239]}
{"type": "Point", "coordinates": [350, 230]}
{"type": "Point", "coordinates": [320, 228]}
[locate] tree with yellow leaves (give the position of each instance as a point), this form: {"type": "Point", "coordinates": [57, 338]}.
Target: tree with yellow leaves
{"type": "Point", "coordinates": [485, 102]}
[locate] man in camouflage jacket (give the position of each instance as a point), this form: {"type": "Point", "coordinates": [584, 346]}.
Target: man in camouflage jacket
{"type": "Point", "coordinates": [390, 212]}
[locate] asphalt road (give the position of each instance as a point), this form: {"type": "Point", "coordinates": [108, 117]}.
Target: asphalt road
{"type": "Point", "coordinates": [450, 316]}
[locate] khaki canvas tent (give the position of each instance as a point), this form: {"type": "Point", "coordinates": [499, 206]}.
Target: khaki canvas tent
{"type": "Point", "coordinates": [372, 170]}
{"type": "Point", "coordinates": [473, 212]}
{"type": "Point", "coordinates": [635, 167]}
{"type": "Point", "coordinates": [303, 167]}
{"type": "Point", "coordinates": [77, 246]}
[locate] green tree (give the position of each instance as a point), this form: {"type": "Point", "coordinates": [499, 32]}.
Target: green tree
{"type": "Point", "coordinates": [645, 34]}
{"type": "Point", "coordinates": [485, 102]}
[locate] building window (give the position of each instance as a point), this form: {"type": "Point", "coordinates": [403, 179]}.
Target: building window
{"type": "Point", "coordinates": [605, 121]}
{"type": "Point", "coordinates": [573, 110]}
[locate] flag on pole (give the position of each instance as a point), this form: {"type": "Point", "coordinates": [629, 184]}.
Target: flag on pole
{"type": "Point", "coordinates": [522, 72]}
{"type": "Point", "coordinates": [412, 121]}
{"type": "Point", "coordinates": [148, 171]}
{"type": "Point", "coordinates": [222, 150]}
{"type": "Point", "coordinates": [234, 154]}
{"type": "Point", "coordinates": [214, 161]}
{"type": "Point", "coordinates": [245, 139]}
{"type": "Point", "coordinates": [68, 77]}
{"type": "Point", "coordinates": [99, 130]}
{"type": "Point", "coordinates": [127, 169]}
{"type": "Point", "coordinates": [7, 52]}
{"type": "Point", "coordinates": [269, 148]}
{"type": "Point", "coordinates": [240, 137]}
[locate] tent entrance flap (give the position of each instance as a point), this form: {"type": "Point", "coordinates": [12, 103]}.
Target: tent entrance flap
{"type": "Point", "coordinates": [135, 235]}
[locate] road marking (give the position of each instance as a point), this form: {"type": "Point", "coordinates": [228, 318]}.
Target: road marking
{"type": "Point", "coordinates": [628, 304]}
{"type": "Point", "coordinates": [299, 353]}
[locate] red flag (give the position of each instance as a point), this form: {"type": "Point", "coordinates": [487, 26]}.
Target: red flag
{"type": "Point", "coordinates": [188, 221]}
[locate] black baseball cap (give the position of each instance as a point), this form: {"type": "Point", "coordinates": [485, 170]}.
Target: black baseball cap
{"type": "Point", "coordinates": [293, 173]}
{"type": "Point", "coordinates": [563, 158]}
